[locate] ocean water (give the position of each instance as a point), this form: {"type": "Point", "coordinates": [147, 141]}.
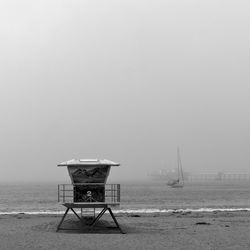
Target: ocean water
{"type": "Point", "coordinates": [135, 197]}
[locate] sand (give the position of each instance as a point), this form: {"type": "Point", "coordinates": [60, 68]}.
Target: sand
{"type": "Point", "coordinates": [218, 230]}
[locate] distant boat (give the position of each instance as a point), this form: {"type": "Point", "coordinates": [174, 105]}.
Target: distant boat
{"type": "Point", "coordinates": [179, 182]}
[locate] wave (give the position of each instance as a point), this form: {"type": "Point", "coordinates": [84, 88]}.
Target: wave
{"type": "Point", "coordinates": [137, 211]}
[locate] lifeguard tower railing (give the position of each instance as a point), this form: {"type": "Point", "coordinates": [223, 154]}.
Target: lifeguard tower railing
{"type": "Point", "coordinates": [66, 193]}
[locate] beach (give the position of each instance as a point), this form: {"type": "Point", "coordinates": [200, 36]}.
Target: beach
{"type": "Point", "coordinates": [187, 230]}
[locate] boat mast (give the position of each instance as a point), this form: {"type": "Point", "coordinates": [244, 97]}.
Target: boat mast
{"type": "Point", "coordinates": [178, 164]}
{"type": "Point", "coordinates": [180, 172]}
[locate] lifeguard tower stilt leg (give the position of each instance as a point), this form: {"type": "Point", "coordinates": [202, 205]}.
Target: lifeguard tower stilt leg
{"type": "Point", "coordinates": [64, 216]}
{"type": "Point", "coordinates": [59, 225]}
{"type": "Point", "coordinates": [112, 215]}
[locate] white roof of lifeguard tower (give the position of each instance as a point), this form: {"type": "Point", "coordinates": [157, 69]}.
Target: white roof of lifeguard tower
{"type": "Point", "coordinates": [88, 162]}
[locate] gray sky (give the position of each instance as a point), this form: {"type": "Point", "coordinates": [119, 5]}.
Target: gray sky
{"type": "Point", "coordinates": [124, 80]}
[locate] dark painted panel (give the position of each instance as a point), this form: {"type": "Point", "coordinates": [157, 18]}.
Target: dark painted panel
{"type": "Point", "coordinates": [89, 193]}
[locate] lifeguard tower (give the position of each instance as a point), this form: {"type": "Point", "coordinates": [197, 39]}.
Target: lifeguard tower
{"type": "Point", "coordinates": [88, 189]}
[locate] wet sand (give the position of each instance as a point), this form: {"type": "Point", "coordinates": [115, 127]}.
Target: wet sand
{"type": "Point", "coordinates": [218, 230]}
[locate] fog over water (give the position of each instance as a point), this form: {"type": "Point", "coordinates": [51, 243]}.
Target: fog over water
{"type": "Point", "coordinates": [123, 80]}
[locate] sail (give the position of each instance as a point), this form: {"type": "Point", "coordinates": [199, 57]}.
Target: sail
{"type": "Point", "coordinates": [179, 182]}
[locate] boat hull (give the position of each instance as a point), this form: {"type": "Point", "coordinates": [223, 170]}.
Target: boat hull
{"type": "Point", "coordinates": [177, 186]}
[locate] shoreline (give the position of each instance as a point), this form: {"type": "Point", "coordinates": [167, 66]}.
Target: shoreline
{"type": "Point", "coordinates": [139, 211]}
{"type": "Point", "coordinates": [177, 214]}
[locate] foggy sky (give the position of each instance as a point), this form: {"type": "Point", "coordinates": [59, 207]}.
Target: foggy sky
{"type": "Point", "coordinates": [124, 80]}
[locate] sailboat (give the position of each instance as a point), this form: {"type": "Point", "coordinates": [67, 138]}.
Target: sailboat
{"type": "Point", "coordinates": [179, 182]}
